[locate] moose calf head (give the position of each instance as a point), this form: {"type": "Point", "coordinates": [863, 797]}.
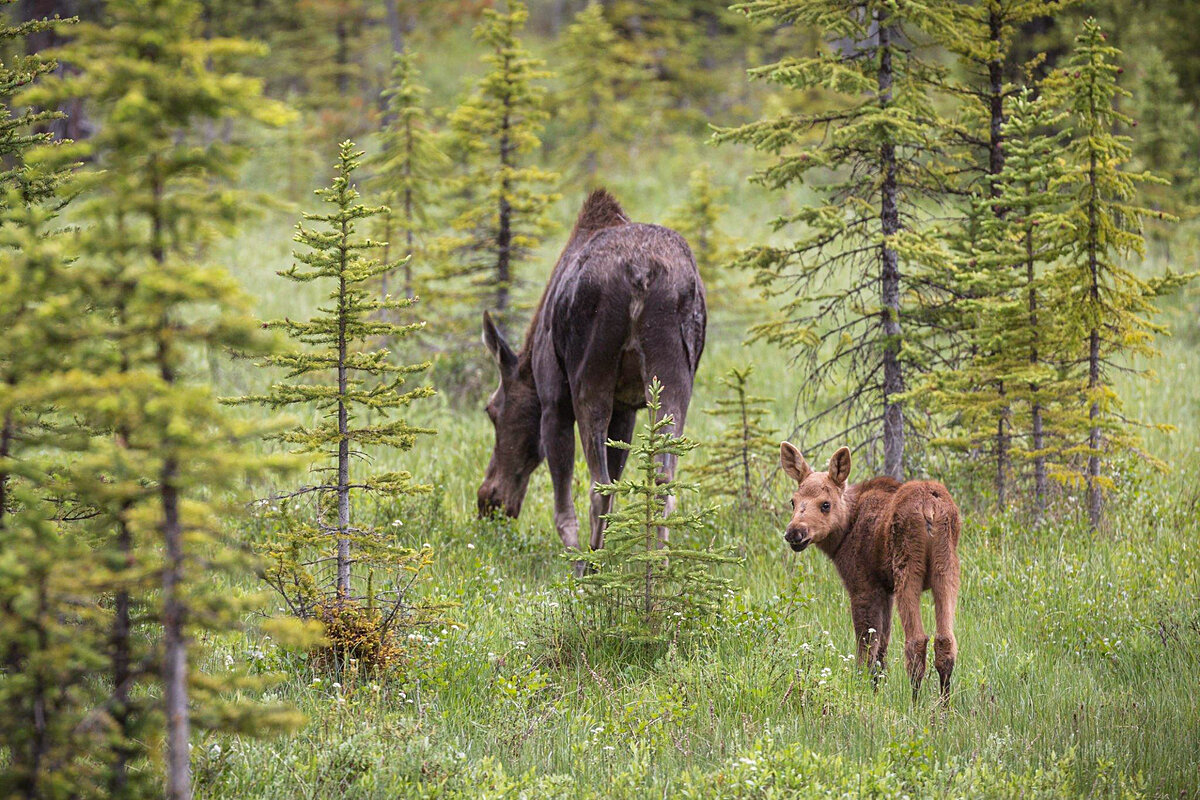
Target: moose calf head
{"type": "Point", "coordinates": [819, 506]}
{"type": "Point", "coordinates": [515, 413]}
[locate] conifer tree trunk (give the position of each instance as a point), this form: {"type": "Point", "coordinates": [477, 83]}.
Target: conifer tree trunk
{"type": "Point", "coordinates": [394, 25]}
{"type": "Point", "coordinates": [745, 442]}
{"type": "Point", "coordinates": [175, 667]}
{"type": "Point", "coordinates": [6, 439]}
{"type": "Point", "coordinates": [504, 236]}
{"type": "Point", "coordinates": [893, 378]}
{"type": "Point", "coordinates": [120, 641]}
{"type": "Point", "coordinates": [410, 146]}
{"type": "Point", "coordinates": [995, 165]}
{"type": "Point", "coordinates": [995, 102]}
{"type": "Point", "coordinates": [1094, 499]}
{"type": "Point", "coordinates": [1039, 460]}
{"type": "Point", "coordinates": [343, 468]}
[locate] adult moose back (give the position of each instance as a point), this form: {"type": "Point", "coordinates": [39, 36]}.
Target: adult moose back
{"type": "Point", "coordinates": [623, 306]}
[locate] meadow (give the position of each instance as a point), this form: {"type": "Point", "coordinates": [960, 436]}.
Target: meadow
{"type": "Point", "coordinates": [1077, 666]}
{"type": "Point", "coordinates": [144, 653]}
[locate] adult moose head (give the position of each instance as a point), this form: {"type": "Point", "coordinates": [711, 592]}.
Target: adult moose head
{"type": "Point", "coordinates": [623, 305]}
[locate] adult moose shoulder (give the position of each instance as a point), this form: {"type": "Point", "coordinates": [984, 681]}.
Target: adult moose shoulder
{"type": "Point", "coordinates": [623, 306]}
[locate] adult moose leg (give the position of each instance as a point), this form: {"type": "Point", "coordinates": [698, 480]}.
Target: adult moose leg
{"type": "Point", "coordinates": [558, 440]}
{"type": "Point", "coordinates": [945, 598]}
{"type": "Point", "coordinates": [594, 415]}
{"type": "Point", "coordinates": [670, 366]}
{"type": "Point", "coordinates": [620, 429]}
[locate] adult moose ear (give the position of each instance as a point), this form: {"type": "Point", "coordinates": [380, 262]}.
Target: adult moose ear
{"type": "Point", "coordinates": [493, 340]}
{"type": "Point", "coordinates": [793, 463]}
{"type": "Point", "coordinates": [839, 466]}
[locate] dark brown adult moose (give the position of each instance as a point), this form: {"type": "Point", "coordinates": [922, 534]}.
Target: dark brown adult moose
{"type": "Point", "coordinates": [887, 539]}
{"type": "Point", "coordinates": [623, 305]}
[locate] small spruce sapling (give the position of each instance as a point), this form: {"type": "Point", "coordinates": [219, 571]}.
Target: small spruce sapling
{"type": "Point", "coordinates": [343, 380]}
{"type": "Point", "coordinates": [406, 173]}
{"type": "Point", "coordinates": [641, 587]}
{"type": "Point", "coordinates": [698, 219]}
{"type": "Point", "coordinates": [737, 457]}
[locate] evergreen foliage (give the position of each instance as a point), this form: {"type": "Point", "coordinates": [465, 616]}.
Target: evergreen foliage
{"type": "Point", "coordinates": [1107, 307]}
{"type": "Point", "coordinates": [163, 455]}
{"type": "Point", "coordinates": [740, 456]}
{"type": "Point", "coordinates": [642, 588]}
{"type": "Point", "coordinates": [503, 215]}
{"type": "Point", "coordinates": [604, 103]}
{"type": "Point", "coordinates": [698, 219]}
{"type": "Point", "coordinates": [687, 44]}
{"type": "Point", "coordinates": [356, 392]}
{"type": "Point", "coordinates": [1007, 395]}
{"type": "Point", "coordinates": [869, 266]}
{"type": "Point", "coordinates": [407, 172]}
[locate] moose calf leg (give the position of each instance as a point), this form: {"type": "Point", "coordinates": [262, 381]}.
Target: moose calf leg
{"type": "Point", "coordinates": [908, 604]}
{"type": "Point", "coordinates": [871, 631]}
{"type": "Point", "coordinates": [945, 646]}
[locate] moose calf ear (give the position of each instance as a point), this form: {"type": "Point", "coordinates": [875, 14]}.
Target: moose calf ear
{"type": "Point", "coordinates": [839, 466]}
{"type": "Point", "coordinates": [493, 340]}
{"type": "Point", "coordinates": [793, 463]}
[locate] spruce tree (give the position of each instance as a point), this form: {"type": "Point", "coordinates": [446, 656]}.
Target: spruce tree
{"type": "Point", "coordinates": [356, 391]}
{"type": "Point", "coordinates": [869, 260]}
{"type": "Point", "coordinates": [1007, 391]}
{"type": "Point", "coordinates": [688, 45]}
{"type": "Point", "coordinates": [605, 76]}
{"type": "Point", "coordinates": [504, 213]}
{"type": "Point", "coordinates": [698, 219]}
{"type": "Point", "coordinates": [739, 455]}
{"type": "Point", "coordinates": [51, 625]}
{"type": "Point", "coordinates": [407, 172]}
{"type": "Point", "coordinates": [1108, 307]}
{"type": "Point", "coordinates": [156, 479]}
{"type": "Point", "coordinates": [645, 589]}
{"type": "Point", "coordinates": [983, 38]}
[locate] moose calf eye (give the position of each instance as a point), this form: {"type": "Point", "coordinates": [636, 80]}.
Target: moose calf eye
{"type": "Point", "coordinates": [825, 508]}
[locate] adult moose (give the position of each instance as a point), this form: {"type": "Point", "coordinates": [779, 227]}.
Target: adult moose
{"type": "Point", "coordinates": [623, 305]}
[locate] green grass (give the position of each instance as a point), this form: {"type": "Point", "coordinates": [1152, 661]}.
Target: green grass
{"type": "Point", "coordinates": [1077, 670]}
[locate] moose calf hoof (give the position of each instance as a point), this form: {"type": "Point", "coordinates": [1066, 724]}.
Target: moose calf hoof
{"type": "Point", "coordinates": [914, 657]}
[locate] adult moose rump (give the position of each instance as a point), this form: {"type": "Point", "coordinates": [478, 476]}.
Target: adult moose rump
{"type": "Point", "coordinates": [624, 305]}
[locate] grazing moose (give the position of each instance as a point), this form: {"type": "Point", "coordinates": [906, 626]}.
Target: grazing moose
{"type": "Point", "coordinates": [623, 305]}
{"type": "Point", "coordinates": [887, 539]}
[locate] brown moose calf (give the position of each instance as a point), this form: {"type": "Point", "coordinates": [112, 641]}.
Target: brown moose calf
{"type": "Point", "coordinates": [887, 539]}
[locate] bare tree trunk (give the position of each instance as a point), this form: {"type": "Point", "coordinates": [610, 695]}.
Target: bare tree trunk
{"type": "Point", "coordinates": [893, 377]}
{"type": "Point", "coordinates": [175, 668]}
{"type": "Point", "coordinates": [175, 665]}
